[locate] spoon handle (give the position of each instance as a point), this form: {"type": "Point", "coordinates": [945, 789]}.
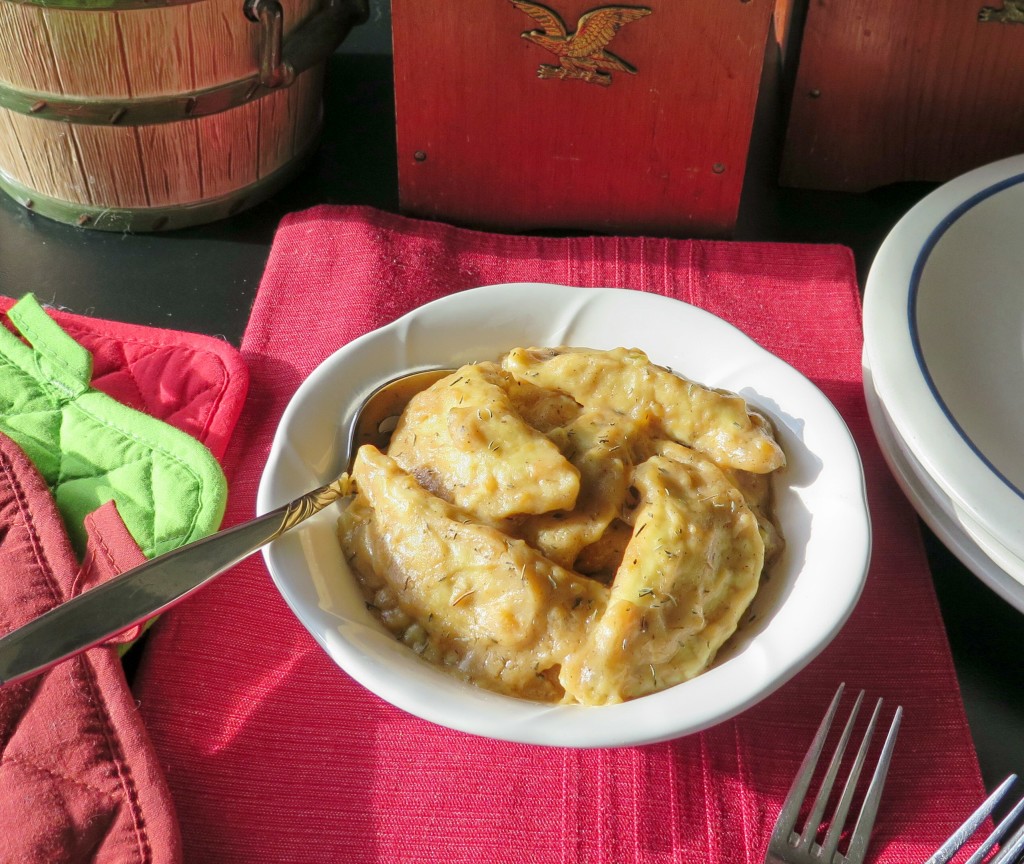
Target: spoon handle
{"type": "Point", "coordinates": [144, 591]}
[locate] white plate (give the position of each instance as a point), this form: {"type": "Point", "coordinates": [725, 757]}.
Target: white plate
{"type": "Point", "coordinates": [943, 325]}
{"type": "Point", "coordinates": [933, 505]}
{"type": "Point", "coordinates": [820, 503]}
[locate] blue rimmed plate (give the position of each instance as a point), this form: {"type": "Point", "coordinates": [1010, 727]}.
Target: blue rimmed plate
{"type": "Point", "coordinates": [944, 339]}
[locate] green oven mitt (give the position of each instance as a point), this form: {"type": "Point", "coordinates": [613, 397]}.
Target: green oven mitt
{"type": "Point", "coordinates": [90, 448]}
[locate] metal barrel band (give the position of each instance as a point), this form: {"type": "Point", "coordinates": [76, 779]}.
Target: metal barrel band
{"type": "Point", "coordinates": [132, 112]}
{"type": "Point", "coordinates": [148, 219]}
{"type": "Point", "coordinates": [281, 61]}
{"type": "Point", "coordinates": [103, 5]}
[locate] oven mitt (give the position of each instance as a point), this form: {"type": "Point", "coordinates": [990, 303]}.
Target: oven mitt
{"type": "Point", "coordinates": [90, 448]}
{"type": "Point", "coordinates": [80, 782]}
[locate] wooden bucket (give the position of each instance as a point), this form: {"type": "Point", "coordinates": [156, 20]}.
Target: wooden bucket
{"type": "Point", "coordinates": [149, 115]}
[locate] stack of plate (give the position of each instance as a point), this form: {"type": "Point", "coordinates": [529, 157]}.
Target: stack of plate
{"type": "Point", "coordinates": [944, 366]}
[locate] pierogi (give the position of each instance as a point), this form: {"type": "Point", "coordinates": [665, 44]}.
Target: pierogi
{"type": "Point", "coordinates": [566, 524]}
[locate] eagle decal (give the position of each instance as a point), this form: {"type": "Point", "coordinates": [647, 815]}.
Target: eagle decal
{"type": "Point", "coordinates": [1012, 12]}
{"type": "Point", "coordinates": [583, 54]}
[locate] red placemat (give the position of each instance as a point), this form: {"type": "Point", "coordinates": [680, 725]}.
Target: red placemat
{"type": "Point", "coordinates": [273, 754]}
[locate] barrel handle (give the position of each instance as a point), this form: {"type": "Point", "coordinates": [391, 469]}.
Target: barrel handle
{"type": "Point", "coordinates": [281, 60]}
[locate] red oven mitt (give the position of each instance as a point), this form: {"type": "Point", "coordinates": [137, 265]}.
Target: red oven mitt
{"type": "Point", "coordinates": [79, 781]}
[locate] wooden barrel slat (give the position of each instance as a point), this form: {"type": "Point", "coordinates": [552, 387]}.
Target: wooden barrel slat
{"type": "Point", "coordinates": [156, 46]}
{"type": "Point", "coordinates": [286, 119]}
{"type": "Point", "coordinates": [132, 53]}
{"type": "Point", "coordinates": [12, 155]}
{"type": "Point", "coordinates": [29, 61]}
{"type": "Point", "coordinates": [64, 170]}
{"type": "Point", "coordinates": [278, 145]}
{"type": "Point", "coordinates": [165, 52]}
{"type": "Point", "coordinates": [115, 165]}
{"type": "Point", "coordinates": [173, 170]}
{"type": "Point", "coordinates": [51, 161]}
{"type": "Point", "coordinates": [224, 50]}
{"type": "Point", "coordinates": [89, 53]}
{"type": "Point", "coordinates": [229, 163]}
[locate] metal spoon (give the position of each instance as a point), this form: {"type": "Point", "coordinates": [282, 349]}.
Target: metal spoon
{"type": "Point", "coordinates": [143, 592]}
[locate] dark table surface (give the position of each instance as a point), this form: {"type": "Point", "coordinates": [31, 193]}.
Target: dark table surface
{"type": "Point", "coordinates": [204, 280]}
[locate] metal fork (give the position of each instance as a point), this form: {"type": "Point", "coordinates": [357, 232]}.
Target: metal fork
{"type": "Point", "coordinates": [787, 845]}
{"type": "Point", "coordinates": [1008, 852]}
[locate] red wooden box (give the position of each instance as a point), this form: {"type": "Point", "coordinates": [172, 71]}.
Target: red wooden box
{"type": "Point", "coordinates": [889, 92]}
{"type": "Point", "coordinates": [496, 131]}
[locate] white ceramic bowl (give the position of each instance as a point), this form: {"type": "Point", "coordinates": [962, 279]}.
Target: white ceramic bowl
{"type": "Point", "coordinates": [944, 336]}
{"type": "Point", "coordinates": [820, 503]}
{"type": "Point", "coordinates": [994, 566]}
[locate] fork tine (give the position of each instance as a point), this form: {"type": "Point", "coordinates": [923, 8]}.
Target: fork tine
{"type": "Point", "coordinates": [821, 800]}
{"type": "Point", "coordinates": [947, 850]}
{"type": "Point", "coordinates": [857, 848]}
{"type": "Point", "coordinates": [1008, 852]}
{"type": "Point", "coordinates": [835, 828]}
{"type": "Point", "coordinates": [786, 845]}
{"type": "Point", "coordinates": [1013, 847]}
{"type": "Point", "coordinates": [786, 822]}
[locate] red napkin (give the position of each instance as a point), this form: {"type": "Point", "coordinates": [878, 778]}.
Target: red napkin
{"type": "Point", "coordinates": [79, 780]}
{"type": "Point", "coordinates": [273, 754]}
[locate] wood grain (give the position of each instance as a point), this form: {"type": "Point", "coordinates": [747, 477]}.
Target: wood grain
{"type": "Point", "coordinates": [483, 140]}
{"type": "Point", "coordinates": [145, 54]}
{"type": "Point", "coordinates": [885, 96]}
